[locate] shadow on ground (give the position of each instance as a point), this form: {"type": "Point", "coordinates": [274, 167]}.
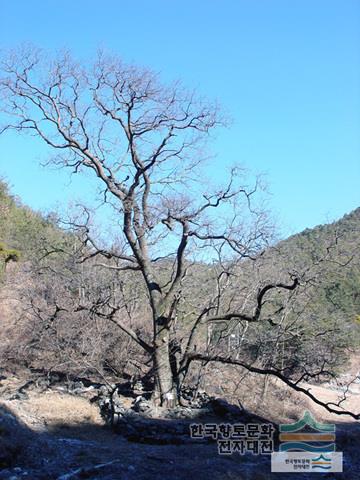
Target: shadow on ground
{"type": "Point", "coordinates": [90, 451]}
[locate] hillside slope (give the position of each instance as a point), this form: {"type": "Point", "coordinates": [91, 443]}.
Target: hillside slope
{"type": "Point", "coordinates": [337, 245]}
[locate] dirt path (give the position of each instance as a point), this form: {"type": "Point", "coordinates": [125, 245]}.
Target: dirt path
{"type": "Point", "coordinates": [327, 395]}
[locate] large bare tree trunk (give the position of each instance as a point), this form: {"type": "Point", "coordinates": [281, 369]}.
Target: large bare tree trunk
{"type": "Point", "coordinates": [165, 392]}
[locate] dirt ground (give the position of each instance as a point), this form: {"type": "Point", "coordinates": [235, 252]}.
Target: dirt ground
{"type": "Point", "coordinates": [62, 436]}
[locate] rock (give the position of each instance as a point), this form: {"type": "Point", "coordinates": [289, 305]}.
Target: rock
{"type": "Point", "coordinates": [110, 404]}
{"type": "Point", "coordinates": [224, 409]}
{"type": "Point", "coordinates": [141, 405]}
{"type": "Point", "coordinates": [19, 396]}
{"type": "Point", "coordinates": [78, 385]}
{"type": "Point", "coordinates": [43, 383]}
{"type": "Point", "coordinates": [195, 398]}
{"type": "Point", "coordinates": [138, 387]}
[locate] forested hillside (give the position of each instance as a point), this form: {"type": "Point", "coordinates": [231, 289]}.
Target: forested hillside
{"type": "Point", "coordinates": [341, 281]}
{"type": "Point", "coordinates": [324, 314]}
{"type": "Point", "coordinates": [22, 231]}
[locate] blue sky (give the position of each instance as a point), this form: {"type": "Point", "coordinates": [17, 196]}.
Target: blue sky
{"type": "Point", "coordinates": [287, 72]}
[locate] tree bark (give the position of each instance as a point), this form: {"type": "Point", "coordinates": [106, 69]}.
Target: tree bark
{"type": "Point", "coordinates": [165, 392]}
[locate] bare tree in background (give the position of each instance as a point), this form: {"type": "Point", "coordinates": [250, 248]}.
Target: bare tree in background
{"type": "Point", "coordinates": [145, 143]}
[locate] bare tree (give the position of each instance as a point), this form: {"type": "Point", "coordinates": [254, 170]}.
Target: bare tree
{"type": "Point", "coordinates": [145, 143]}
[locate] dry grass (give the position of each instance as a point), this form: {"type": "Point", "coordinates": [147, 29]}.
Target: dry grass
{"type": "Point", "coordinates": [56, 408]}
{"type": "Point", "coordinates": [51, 410]}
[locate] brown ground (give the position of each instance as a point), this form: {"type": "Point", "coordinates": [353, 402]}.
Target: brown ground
{"type": "Point", "coordinates": [65, 433]}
